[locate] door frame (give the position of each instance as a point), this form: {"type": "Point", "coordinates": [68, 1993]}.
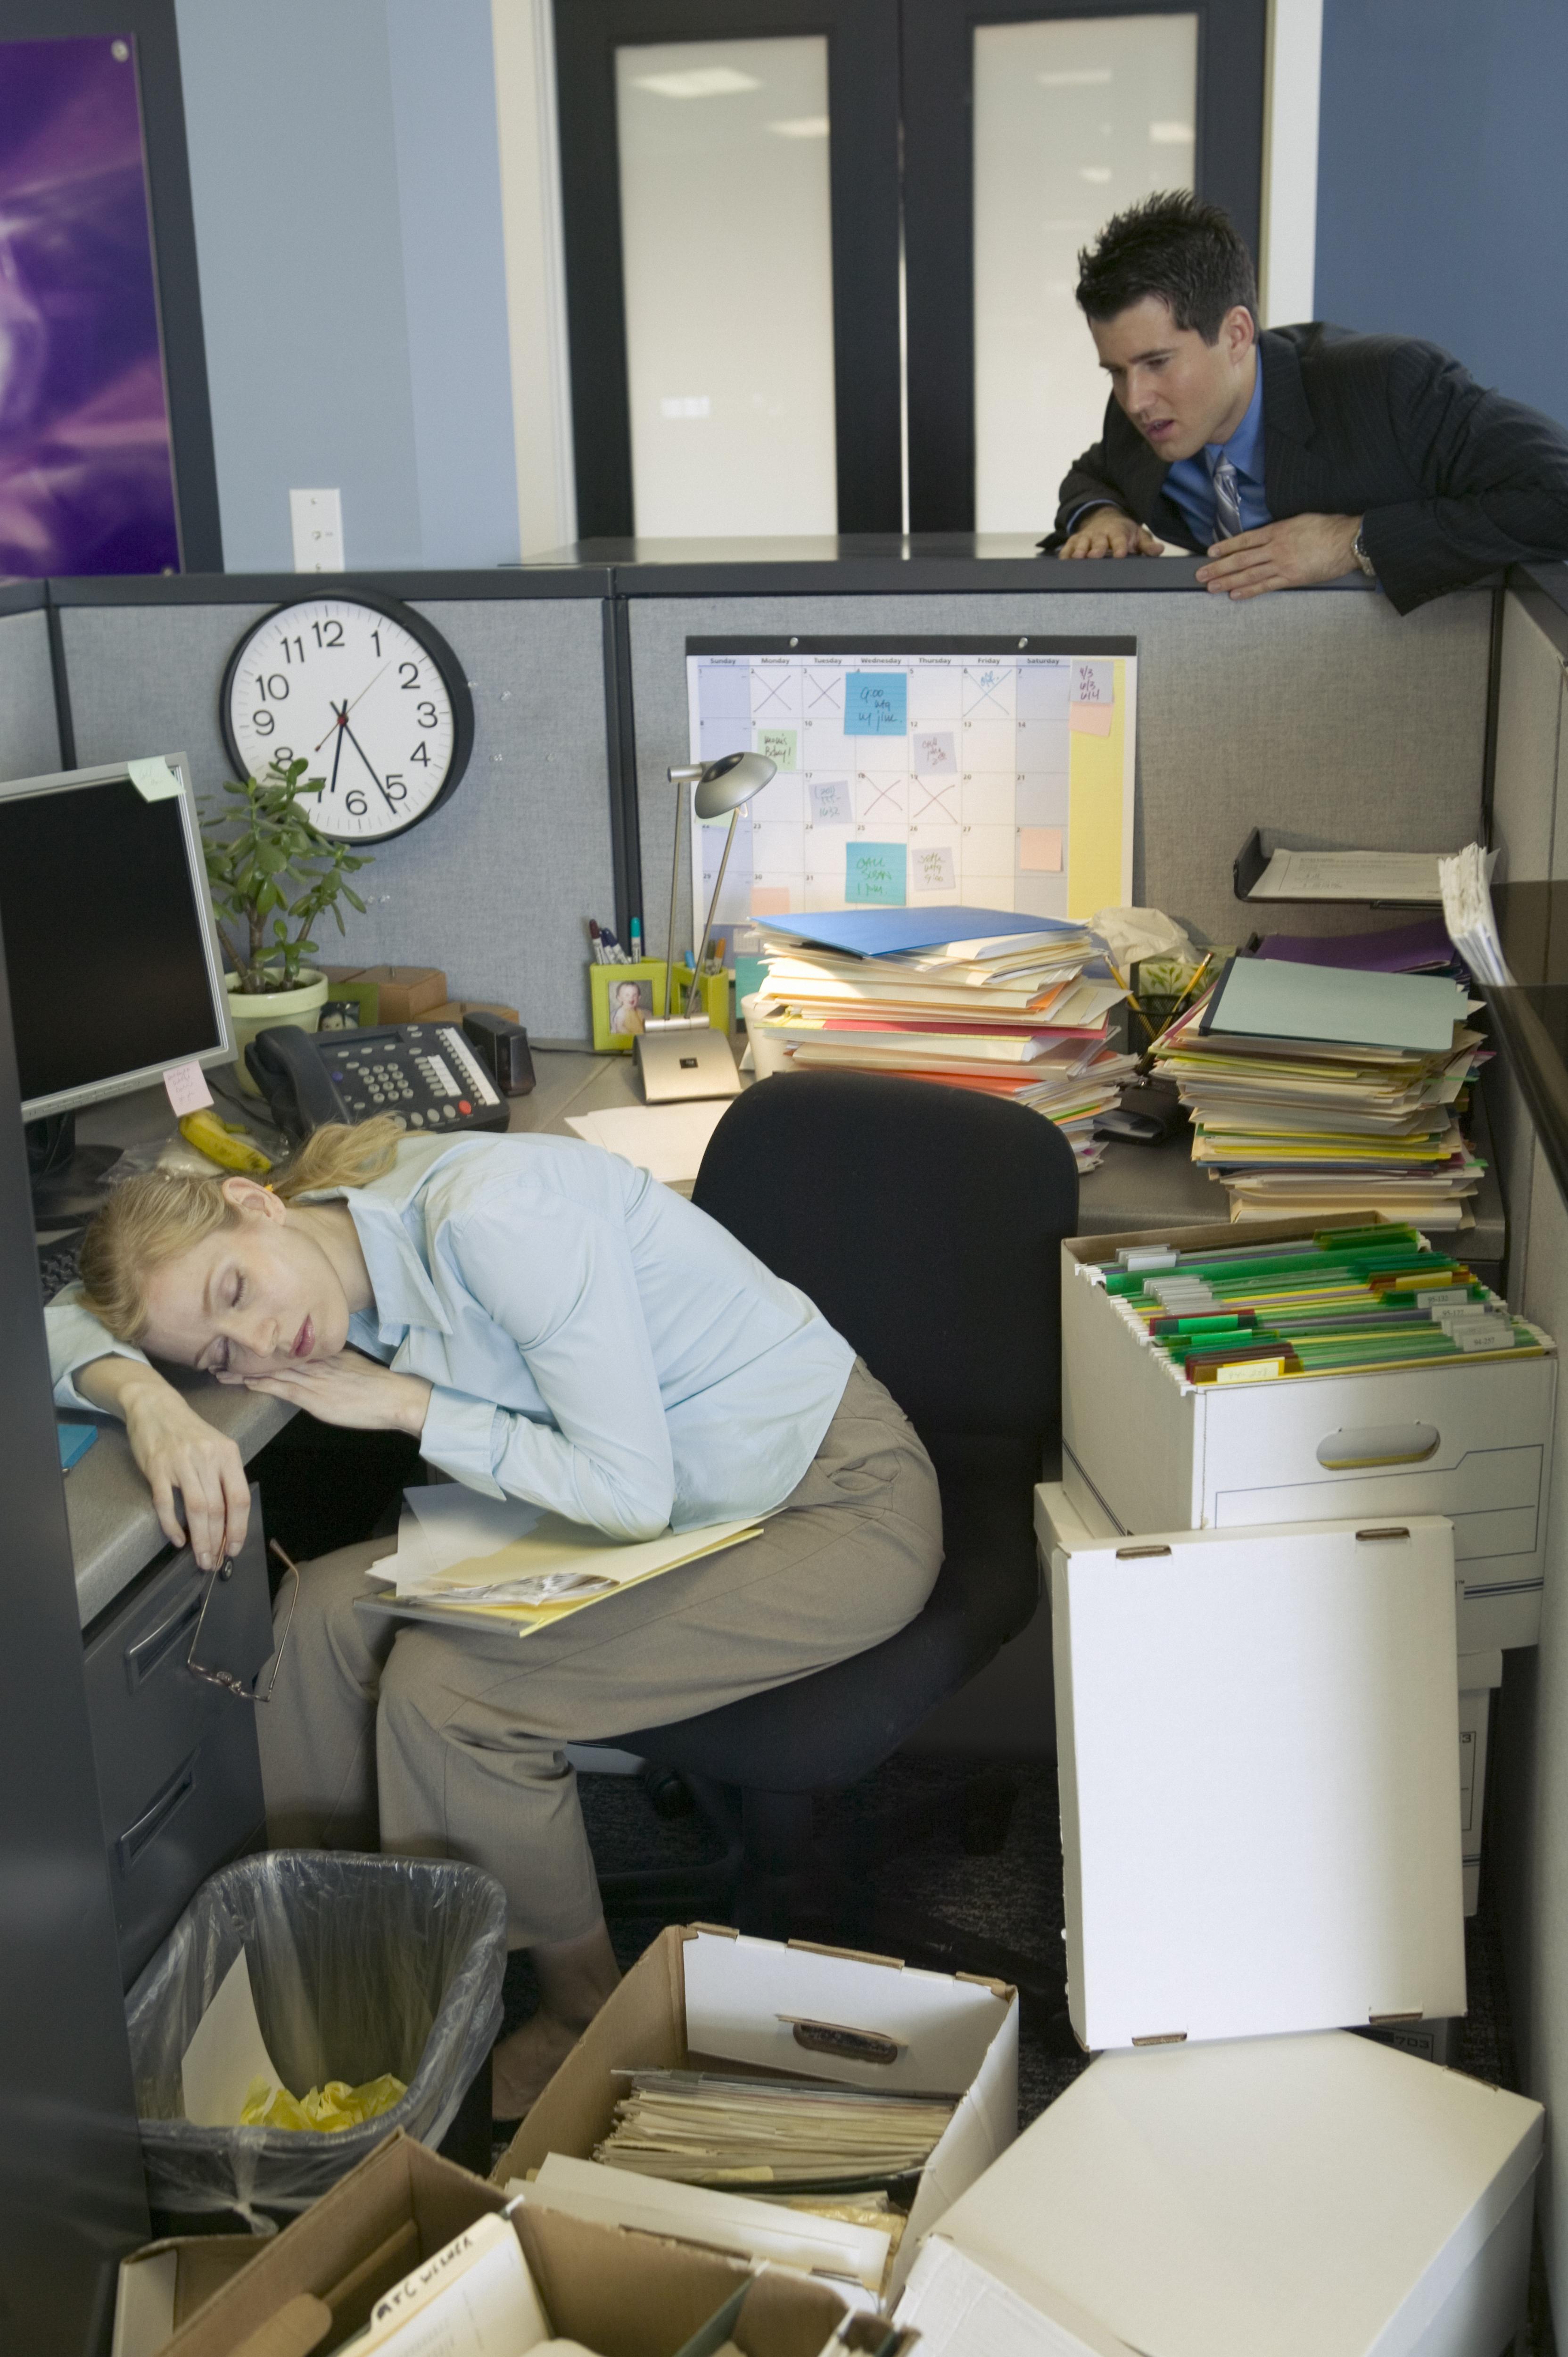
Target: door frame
{"type": "Point", "coordinates": [938, 50]}
{"type": "Point", "coordinates": [863, 164]}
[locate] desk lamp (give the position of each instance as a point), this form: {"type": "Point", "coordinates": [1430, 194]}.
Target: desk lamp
{"type": "Point", "coordinates": [679, 1055]}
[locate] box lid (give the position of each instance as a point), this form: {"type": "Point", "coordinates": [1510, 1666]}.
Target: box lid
{"type": "Point", "coordinates": [1314, 2197]}
{"type": "Point", "coordinates": [1292, 1859]}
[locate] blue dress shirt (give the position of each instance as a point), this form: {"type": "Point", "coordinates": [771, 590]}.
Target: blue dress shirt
{"type": "Point", "coordinates": [596, 1343]}
{"type": "Point", "coordinates": [1189, 484]}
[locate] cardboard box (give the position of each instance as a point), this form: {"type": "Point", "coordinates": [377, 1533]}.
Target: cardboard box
{"type": "Point", "coordinates": [702, 1997]}
{"type": "Point", "coordinates": [163, 2285]}
{"type": "Point", "coordinates": [1305, 2196]}
{"type": "Point", "coordinates": [622, 2294]}
{"type": "Point", "coordinates": [1059, 1523]}
{"type": "Point", "coordinates": [1469, 1440]}
{"type": "Point", "coordinates": [1259, 1764]}
{"type": "Point", "coordinates": [405, 993]}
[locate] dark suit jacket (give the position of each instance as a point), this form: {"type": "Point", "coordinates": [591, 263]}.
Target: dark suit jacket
{"type": "Point", "coordinates": [1453, 480]}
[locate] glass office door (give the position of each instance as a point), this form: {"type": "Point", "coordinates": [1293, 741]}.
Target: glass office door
{"type": "Point", "coordinates": [1025, 127]}
{"type": "Point", "coordinates": [730, 191]}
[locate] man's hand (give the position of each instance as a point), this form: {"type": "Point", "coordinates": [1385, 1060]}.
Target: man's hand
{"type": "Point", "coordinates": [1106, 532]}
{"type": "Point", "coordinates": [1288, 555]}
{"type": "Point", "coordinates": [349, 1390]}
{"type": "Point", "coordinates": [176, 1449]}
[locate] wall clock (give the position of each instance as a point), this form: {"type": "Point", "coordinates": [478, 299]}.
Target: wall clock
{"type": "Point", "coordinates": [365, 690]}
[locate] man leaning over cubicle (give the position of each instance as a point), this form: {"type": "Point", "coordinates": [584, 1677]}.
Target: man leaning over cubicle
{"type": "Point", "coordinates": [1292, 455]}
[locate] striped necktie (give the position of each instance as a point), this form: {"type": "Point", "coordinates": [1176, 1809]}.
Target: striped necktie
{"type": "Point", "coordinates": [1226, 500]}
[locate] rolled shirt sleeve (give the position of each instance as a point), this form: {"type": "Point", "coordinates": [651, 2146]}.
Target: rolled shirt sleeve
{"type": "Point", "coordinates": [76, 1338]}
{"type": "Point", "coordinates": [559, 1280]}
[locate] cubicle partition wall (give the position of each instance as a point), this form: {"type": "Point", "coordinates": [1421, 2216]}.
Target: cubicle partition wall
{"type": "Point", "coordinates": [1320, 714]}
{"type": "Point", "coordinates": [29, 735]}
{"type": "Point", "coordinates": [494, 886]}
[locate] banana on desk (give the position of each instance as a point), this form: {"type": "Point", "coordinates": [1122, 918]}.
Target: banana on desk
{"type": "Point", "coordinates": [228, 1143]}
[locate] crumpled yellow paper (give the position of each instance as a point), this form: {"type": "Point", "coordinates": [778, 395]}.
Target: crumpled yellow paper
{"type": "Point", "coordinates": [335, 2106]}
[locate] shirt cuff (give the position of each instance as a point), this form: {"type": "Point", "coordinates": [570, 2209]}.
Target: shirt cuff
{"type": "Point", "coordinates": [76, 1338]}
{"type": "Point", "coordinates": [458, 1439]}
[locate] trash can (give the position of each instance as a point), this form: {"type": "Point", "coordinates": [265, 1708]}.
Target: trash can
{"type": "Point", "coordinates": [358, 1965]}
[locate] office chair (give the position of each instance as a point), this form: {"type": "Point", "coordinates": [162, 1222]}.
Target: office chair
{"type": "Point", "coordinates": [925, 1223]}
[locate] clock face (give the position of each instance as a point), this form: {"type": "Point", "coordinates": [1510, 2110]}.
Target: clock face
{"type": "Point", "coordinates": [368, 693]}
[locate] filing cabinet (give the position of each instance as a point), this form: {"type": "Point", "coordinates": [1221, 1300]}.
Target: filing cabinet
{"type": "Point", "coordinates": [179, 1776]}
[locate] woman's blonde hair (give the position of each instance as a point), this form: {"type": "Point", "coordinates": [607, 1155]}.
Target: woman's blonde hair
{"type": "Point", "coordinates": [162, 1213]}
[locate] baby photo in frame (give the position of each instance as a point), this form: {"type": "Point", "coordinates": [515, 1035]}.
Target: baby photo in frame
{"type": "Point", "coordinates": [623, 997]}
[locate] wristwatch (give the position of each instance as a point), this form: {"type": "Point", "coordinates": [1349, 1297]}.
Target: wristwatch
{"type": "Point", "coordinates": [1359, 551]}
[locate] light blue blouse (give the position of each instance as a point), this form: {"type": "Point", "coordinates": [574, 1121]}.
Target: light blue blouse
{"type": "Point", "coordinates": [596, 1343]}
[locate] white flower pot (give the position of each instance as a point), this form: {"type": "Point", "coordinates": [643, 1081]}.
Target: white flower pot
{"type": "Point", "coordinates": [254, 1011]}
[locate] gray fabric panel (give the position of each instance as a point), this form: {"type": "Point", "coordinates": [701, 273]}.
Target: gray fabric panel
{"type": "Point", "coordinates": [1323, 715]}
{"type": "Point", "coordinates": [494, 888]}
{"type": "Point", "coordinates": [29, 735]}
{"type": "Point", "coordinates": [1529, 725]}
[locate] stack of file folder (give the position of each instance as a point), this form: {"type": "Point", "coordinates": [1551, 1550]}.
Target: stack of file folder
{"type": "Point", "coordinates": [800, 2134]}
{"type": "Point", "coordinates": [1351, 1301]}
{"type": "Point", "coordinates": [1015, 1008]}
{"type": "Point", "coordinates": [1318, 1091]}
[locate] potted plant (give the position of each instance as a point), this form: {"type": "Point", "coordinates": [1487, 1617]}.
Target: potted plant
{"type": "Point", "coordinates": [273, 875]}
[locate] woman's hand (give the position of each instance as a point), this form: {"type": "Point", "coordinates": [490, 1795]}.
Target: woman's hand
{"type": "Point", "coordinates": [176, 1449]}
{"type": "Point", "coordinates": [350, 1389]}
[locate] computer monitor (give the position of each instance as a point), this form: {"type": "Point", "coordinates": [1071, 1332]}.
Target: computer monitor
{"type": "Point", "coordinates": [111, 950]}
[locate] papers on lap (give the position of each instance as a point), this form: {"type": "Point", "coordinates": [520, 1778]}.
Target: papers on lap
{"type": "Point", "coordinates": [501, 1561]}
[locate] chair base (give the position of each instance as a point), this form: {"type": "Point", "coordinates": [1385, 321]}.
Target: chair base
{"type": "Point", "coordinates": [775, 1879]}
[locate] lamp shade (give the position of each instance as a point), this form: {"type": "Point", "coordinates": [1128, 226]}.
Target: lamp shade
{"type": "Point", "coordinates": [725, 785]}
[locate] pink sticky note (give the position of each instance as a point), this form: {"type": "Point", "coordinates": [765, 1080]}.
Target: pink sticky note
{"type": "Point", "coordinates": [187, 1090]}
{"type": "Point", "coordinates": [770, 899]}
{"type": "Point", "coordinates": [1089, 719]}
{"type": "Point", "coordinates": [1041, 850]}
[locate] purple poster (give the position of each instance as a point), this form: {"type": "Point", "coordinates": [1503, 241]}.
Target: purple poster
{"type": "Point", "coordinates": [86, 471]}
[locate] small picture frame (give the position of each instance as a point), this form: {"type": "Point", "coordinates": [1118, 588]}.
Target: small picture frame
{"type": "Point", "coordinates": [623, 997]}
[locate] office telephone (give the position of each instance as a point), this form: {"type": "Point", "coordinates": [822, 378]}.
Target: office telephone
{"type": "Point", "coordinates": [426, 1074]}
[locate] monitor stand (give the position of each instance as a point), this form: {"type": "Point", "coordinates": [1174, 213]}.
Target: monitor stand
{"type": "Point", "coordinates": [67, 1178]}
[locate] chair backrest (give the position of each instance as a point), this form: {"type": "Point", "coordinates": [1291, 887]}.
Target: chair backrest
{"type": "Point", "coordinates": [925, 1223]}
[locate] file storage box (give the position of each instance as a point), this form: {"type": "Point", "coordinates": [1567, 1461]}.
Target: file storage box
{"type": "Point", "coordinates": [1258, 1763]}
{"type": "Point", "coordinates": [1469, 1439]}
{"type": "Point", "coordinates": [1059, 1524]}
{"type": "Point", "coordinates": [1281, 2197]}
{"type": "Point", "coordinates": [705, 1998]}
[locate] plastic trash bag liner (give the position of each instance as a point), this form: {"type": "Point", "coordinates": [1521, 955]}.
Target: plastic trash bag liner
{"type": "Point", "coordinates": [358, 1965]}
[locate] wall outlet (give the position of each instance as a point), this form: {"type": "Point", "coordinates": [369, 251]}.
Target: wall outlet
{"type": "Point", "coordinates": [316, 518]}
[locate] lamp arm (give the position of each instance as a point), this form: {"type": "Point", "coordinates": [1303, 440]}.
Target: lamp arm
{"type": "Point", "coordinates": [682, 791]}
{"type": "Point", "coordinates": [713, 908]}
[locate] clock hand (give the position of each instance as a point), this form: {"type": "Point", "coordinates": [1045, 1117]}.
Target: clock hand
{"type": "Point", "coordinates": [337, 754]}
{"type": "Point", "coordinates": [366, 759]}
{"type": "Point", "coordinates": [340, 719]}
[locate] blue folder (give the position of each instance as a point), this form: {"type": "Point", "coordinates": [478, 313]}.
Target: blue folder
{"type": "Point", "coordinates": [75, 1440]}
{"type": "Point", "coordinates": [894, 932]}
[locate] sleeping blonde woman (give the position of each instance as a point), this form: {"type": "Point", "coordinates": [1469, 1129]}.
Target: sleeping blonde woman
{"type": "Point", "coordinates": [551, 1325]}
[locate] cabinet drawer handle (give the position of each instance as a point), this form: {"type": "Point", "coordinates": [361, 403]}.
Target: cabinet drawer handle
{"type": "Point", "coordinates": [1377, 1444]}
{"type": "Point", "coordinates": [156, 1816]}
{"type": "Point", "coordinates": [148, 1654]}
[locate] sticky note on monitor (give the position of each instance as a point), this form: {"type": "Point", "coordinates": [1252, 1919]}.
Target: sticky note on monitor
{"type": "Point", "coordinates": [154, 779]}
{"type": "Point", "coordinates": [187, 1088]}
{"type": "Point", "coordinates": [876, 703]}
{"type": "Point", "coordinates": [1041, 850]}
{"type": "Point", "coordinates": [876, 874]}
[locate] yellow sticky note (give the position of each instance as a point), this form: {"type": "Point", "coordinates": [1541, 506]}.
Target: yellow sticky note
{"type": "Point", "coordinates": [1041, 850]}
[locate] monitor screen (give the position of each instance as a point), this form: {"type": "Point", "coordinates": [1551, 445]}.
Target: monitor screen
{"type": "Point", "coordinates": [107, 949]}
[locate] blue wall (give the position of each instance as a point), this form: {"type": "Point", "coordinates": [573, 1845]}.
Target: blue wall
{"type": "Point", "coordinates": [1443, 181]}
{"type": "Point", "coordinates": [347, 191]}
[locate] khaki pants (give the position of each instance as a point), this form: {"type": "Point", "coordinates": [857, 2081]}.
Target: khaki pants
{"type": "Point", "coordinates": [453, 1746]}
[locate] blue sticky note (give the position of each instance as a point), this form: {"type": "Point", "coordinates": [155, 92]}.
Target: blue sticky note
{"type": "Point", "coordinates": [876, 873]}
{"type": "Point", "coordinates": [876, 703]}
{"type": "Point", "coordinates": [75, 1440]}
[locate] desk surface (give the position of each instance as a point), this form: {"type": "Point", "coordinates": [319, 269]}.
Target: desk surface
{"type": "Point", "coordinates": [114, 1530]}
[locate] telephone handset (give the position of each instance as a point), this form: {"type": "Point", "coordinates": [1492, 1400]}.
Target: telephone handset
{"type": "Point", "coordinates": [425, 1074]}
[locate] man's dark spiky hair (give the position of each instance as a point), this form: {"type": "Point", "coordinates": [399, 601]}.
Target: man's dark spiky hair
{"type": "Point", "coordinates": [1187, 253]}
